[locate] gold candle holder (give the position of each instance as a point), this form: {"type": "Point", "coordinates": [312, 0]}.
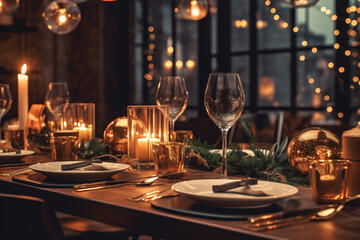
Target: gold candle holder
{"type": "Point", "coordinates": [169, 157]}
{"type": "Point", "coordinates": [329, 180]}
{"type": "Point", "coordinates": [64, 145]}
{"type": "Point", "coordinates": [146, 125]}
{"type": "Point", "coordinates": [183, 136]}
{"type": "Point", "coordinates": [15, 138]}
{"type": "Point", "coordinates": [80, 117]}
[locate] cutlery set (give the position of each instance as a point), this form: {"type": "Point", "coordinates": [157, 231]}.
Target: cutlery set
{"type": "Point", "coordinates": [150, 196]}
{"type": "Point", "coordinates": [280, 219]}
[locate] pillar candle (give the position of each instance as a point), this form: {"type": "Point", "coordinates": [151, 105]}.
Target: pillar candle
{"type": "Point", "coordinates": [85, 133]}
{"type": "Point", "coordinates": [144, 148]}
{"type": "Point", "coordinates": [23, 104]}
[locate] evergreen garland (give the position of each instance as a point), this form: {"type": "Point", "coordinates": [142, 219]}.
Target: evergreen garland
{"type": "Point", "coordinates": [269, 165]}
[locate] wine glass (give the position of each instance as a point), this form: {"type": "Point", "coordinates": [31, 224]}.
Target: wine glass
{"type": "Point", "coordinates": [172, 92]}
{"type": "Point", "coordinates": [5, 101]}
{"type": "Point", "coordinates": [56, 99]}
{"type": "Point", "coordinates": [224, 102]}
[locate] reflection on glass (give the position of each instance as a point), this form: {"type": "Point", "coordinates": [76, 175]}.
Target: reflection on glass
{"type": "Point", "coordinates": [315, 79]}
{"type": "Point", "coordinates": [239, 25]}
{"type": "Point", "coordinates": [316, 26]}
{"type": "Point", "coordinates": [240, 64]}
{"type": "Point", "coordinates": [274, 80]}
{"type": "Point", "coordinates": [272, 25]}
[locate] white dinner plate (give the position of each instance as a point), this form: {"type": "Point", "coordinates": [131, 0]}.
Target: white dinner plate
{"type": "Point", "coordinates": [97, 171]}
{"type": "Point", "coordinates": [201, 192]}
{"type": "Point", "coordinates": [10, 156]}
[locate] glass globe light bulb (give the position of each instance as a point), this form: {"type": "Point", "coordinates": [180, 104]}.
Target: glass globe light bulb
{"type": "Point", "coordinates": [191, 9]}
{"type": "Point", "coordinates": [300, 3]}
{"type": "Point", "coordinates": [9, 6]}
{"type": "Point", "coordinates": [62, 16]}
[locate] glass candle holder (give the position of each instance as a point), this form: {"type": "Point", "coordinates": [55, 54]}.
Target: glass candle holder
{"type": "Point", "coordinates": [80, 117]}
{"type": "Point", "coordinates": [146, 125]}
{"type": "Point", "coordinates": [169, 157]}
{"type": "Point", "coordinates": [329, 180]}
{"type": "Point", "coordinates": [183, 136]}
{"type": "Point", "coordinates": [15, 138]}
{"type": "Point", "coordinates": [64, 145]}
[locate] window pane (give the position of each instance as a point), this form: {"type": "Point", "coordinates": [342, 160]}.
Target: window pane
{"type": "Point", "coordinates": [354, 81]}
{"type": "Point", "coordinates": [158, 52]}
{"type": "Point", "coordinates": [272, 24]}
{"type": "Point", "coordinates": [315, 24]}
{"type": "Point", "coordinates": [241, 65]}
{"type": "Point", "coordinates": [213, 25]}
{"type": "Point", "coordinates": [274, 80]}
{"type": "Point", "coordinates": [187, 57]}
{"type": "Point", "coordinates": [239, 25]}
{"type": "Point", "coordinates": [315, 79]}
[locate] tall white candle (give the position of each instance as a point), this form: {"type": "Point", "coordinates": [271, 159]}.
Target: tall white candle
{"type": "Point", "coordinates": [23, 100]}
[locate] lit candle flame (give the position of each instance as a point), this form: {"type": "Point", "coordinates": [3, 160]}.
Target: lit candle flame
{"type": "Point", "coordinates": [195, 10]}
{"type": "Point", "coordinates": [23, 69]}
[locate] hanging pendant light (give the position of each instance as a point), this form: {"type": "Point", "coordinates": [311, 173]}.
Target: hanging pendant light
{"type": "Point", "coordinates": [8, 6]}
{"type": "Point", "coordinates": [62, 16]}
{"type": "Point", "coordinates": [191, 9]}
{"type": "Point", "coordinates": [300, 3]}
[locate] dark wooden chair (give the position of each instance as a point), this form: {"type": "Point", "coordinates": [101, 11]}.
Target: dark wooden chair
{"type": "Point", "coordinates": [24, 217]}
{"type": "Point", "coordinates": [266, 126]}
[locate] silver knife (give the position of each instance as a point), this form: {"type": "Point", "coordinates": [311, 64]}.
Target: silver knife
{"type": "Point", "coordinates": [289, 214]}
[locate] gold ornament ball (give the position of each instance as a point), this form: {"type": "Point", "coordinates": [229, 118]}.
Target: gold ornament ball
{"type": "Point", "coordinates": [115, 135]}
{"type": "Point", "coordinates": [310, 144]}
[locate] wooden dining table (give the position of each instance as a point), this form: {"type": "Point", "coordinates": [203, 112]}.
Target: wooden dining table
{"type": "Point", "coordinates": [111, 206]}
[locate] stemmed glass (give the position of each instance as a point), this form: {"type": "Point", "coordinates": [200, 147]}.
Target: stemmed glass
{"type": "Point", "coordinates": [5, 101]}
{"type": "Point", "coordinates": [56, 99]}
{"type": "Point", "coordinates": [172, 92]}
{"type": "Point", "coordinates": [224, 102]}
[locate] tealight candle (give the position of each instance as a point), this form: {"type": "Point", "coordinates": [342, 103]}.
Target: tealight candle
{"type": "Point", "coordinates": [23, 104]}
{"type": "Point", "coordinates": [145, 148]}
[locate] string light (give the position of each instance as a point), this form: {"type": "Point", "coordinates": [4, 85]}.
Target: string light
{"type": "Point", "coordinates": [326, 97]}
{"type": "Point", "coordinates": [329, 109]}
{"type": "Point", "coordinates": [330, 64]}
{"type": "Point", "coordinates": [314, 50]}
{"type": "Point", "coordinates": [311, 80]}
{"type": "Point", "coordinates": [302, 58]}
{"type": "Point", "coordinates": [341, 69]}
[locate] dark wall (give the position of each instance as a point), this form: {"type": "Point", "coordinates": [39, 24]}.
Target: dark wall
{"type": "Point", "coordinates": [93, 59]}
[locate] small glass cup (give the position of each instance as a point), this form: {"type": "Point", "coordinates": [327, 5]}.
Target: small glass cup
{"type": "Point", "coordinates": [169, 157]}
{"type": "Point", "coordinates": [15, 137]}
{"type": "Point", "coordinates": [64, 145]}
{"type": "Point", "coordinates": [183, 136]}
{"type": "Point", "coordinates": [80, 117]}
{"type": "Point", "coordinates": [329, 180]}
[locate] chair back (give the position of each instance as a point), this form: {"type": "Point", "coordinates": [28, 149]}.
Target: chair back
{"type": "Point", "coordinates": [23, 217]}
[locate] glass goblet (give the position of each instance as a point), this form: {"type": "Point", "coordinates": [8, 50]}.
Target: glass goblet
{"type": "Point", "coordinates": [224, 102]}
{"type": "Point", "coordinates": [172, 92]}
{"type": "Point", "coordinates": [5, 101]}
{"type": "Point", "coordinates": [56, 99]}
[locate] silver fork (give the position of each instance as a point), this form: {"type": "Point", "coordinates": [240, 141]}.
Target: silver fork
{"type": "Point", "coordinates": [13, 173]}
{"type": "Point", "coordinates": [149, 196]}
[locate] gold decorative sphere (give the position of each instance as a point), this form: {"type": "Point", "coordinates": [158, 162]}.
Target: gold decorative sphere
{"type": "Point", "coordinates": [310, 144]}
{"type": "Point", "coordinates": [115, 135]}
